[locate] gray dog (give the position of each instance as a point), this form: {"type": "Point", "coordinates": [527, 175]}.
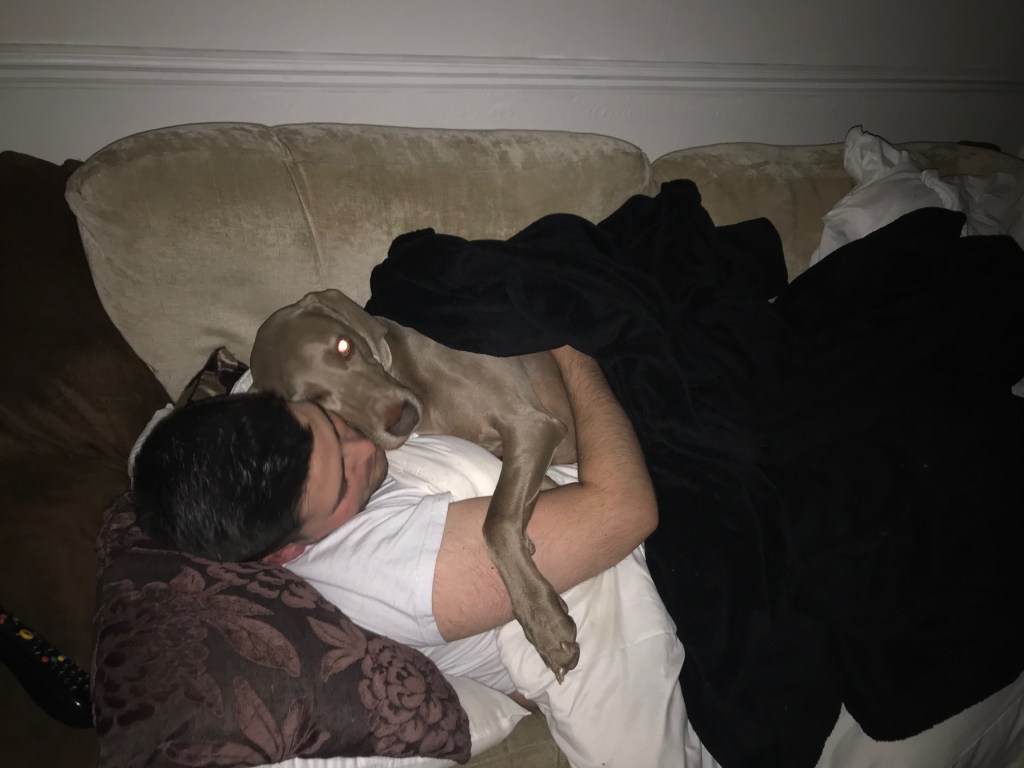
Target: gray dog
{"type": "Point", "coordinates": [387, 380]}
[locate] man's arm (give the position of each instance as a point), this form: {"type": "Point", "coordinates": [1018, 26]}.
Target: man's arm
{"type": "Point", "coordinates": [579, 529]}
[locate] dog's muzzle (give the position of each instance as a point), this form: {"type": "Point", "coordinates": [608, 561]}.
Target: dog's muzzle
{"type": "Point", "coordinates": [401, 419]}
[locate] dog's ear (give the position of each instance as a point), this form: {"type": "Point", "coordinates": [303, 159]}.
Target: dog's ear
{"type": "Point", "coordinates": [336, 304]}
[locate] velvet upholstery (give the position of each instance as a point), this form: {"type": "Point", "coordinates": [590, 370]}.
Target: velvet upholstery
{"type": "Point", "coordinates": [72, 398]}
{"type": "Point", "coordinates": [156, 207]}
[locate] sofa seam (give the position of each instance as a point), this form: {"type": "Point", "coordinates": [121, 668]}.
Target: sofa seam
{"type": "Point", "coordinates": [291, 164]}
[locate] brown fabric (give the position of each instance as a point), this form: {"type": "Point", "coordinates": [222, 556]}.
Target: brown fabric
{"type": "Point", "coordinates": [72, 398]}
{"type": "Point", "coordinates": [51, 508]}
{"type": "Point", "coordinates": [206, 663]}
{"type": "Point", "coordinates": [75, 386]}
{"type": "Point", "coordinates": [217, 377]}
{"type": "Point", "coordinates": [33, 738]}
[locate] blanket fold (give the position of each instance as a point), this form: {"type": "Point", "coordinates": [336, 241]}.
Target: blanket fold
{"type": "Point", "coordinates": [836, 470]}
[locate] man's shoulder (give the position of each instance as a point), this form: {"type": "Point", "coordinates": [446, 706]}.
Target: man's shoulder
{"type": "Point", "coordinates": [397, 515]}
{"type": "Point", "coordinates": [396, 492]}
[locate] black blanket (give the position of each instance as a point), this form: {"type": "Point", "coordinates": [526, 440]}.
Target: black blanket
{"type": "Point", "coordinates": [838, 470]}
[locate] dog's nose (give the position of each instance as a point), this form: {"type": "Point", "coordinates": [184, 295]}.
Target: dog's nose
{"type": "Point", "coordinates": [401, 418]}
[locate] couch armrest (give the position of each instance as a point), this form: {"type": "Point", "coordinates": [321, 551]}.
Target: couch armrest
{"type": "Point", "coordinates": [72, 399]}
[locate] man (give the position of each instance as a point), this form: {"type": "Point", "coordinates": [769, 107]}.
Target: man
{"type": "Point", "coordinates": [252, 477]}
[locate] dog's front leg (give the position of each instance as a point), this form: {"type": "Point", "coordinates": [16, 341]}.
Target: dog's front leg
{"type": "Point", "coordinates": [527, 449]}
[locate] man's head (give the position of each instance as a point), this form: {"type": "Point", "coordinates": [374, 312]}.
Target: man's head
{"type": "Point", "coordinates": [251, 476]}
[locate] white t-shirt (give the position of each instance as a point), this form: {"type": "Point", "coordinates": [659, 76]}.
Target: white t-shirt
{"type": "Point", "coordinates": [379, 569]}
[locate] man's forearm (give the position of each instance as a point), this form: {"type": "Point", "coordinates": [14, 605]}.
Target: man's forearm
{"type": "Point", "coordinates": [579, 529]}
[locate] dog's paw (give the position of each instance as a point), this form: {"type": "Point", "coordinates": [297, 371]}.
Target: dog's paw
{"type": "Point", "coordinates": [567, 659]}
{"type": "Point", "coordinates": [555, 641]}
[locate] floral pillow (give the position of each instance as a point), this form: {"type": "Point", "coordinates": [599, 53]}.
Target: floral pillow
{"type": "Point", "coordinates": [200, 663]}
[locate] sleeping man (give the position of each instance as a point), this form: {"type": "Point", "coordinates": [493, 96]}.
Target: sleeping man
{"type": "Point", "coordinates": [402, 552]}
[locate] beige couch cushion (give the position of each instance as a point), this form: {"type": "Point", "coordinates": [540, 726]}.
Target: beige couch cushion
{"type": "Point", "coordinates": [196, 233]}
{"type": "Point", "coordinates": [795, 186]}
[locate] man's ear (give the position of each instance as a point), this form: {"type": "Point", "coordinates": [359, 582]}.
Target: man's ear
{"type": "Point", "coordinates": [284, 554]}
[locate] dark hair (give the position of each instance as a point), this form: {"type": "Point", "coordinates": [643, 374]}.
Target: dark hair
{"type": "Point", "coordinates": [224, 477]}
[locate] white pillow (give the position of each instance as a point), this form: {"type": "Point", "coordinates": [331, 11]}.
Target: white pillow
{"type": "Point", "coordinates": [890, 184]}
{"type": "Point", "coordinates": [995, 203]}
{"type": "Point", "coordinates": [622, 705]}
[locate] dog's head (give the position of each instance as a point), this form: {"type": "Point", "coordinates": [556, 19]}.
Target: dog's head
{"type": "Point", "coordinates": [327, 348]}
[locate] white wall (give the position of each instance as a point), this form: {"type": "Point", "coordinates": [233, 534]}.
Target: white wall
{"type": "Point", "coordinates": [663, 74]}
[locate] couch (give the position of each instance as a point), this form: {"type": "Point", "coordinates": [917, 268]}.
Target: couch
{"type": "Point", "coordinates": [183, 260]}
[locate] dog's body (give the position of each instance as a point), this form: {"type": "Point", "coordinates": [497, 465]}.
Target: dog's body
{"type": "Point", "coordinates": [387, 380]}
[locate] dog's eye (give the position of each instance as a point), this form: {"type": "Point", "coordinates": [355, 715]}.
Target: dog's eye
{"type": "Point", "coordinates": [344, 347]}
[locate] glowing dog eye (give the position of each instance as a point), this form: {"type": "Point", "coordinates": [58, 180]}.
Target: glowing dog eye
{"type": "Point", "coordinates": [344, 347]}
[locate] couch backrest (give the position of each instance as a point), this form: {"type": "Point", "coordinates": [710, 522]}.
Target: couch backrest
{"type": "Point", "coordinates": [795, 186]}
{"type": "Point", "coordinates": [196, 233]}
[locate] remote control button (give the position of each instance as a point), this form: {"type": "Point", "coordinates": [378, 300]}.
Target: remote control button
{"type": "Point", "coordinates": [53, 680]}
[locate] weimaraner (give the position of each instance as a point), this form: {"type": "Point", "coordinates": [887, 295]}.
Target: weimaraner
{"type": "Point", "coordinates": [387, 380]}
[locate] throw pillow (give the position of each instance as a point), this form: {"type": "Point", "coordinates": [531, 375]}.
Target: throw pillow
{"type": "Point", "coordinates": [203, 663]}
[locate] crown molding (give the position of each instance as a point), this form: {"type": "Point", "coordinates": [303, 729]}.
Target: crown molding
{"type": "Point", "coordinates": [43, 64]}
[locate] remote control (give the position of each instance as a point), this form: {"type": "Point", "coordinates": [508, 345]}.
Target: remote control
{"type": "Point", "coordinates": [57, 684]}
